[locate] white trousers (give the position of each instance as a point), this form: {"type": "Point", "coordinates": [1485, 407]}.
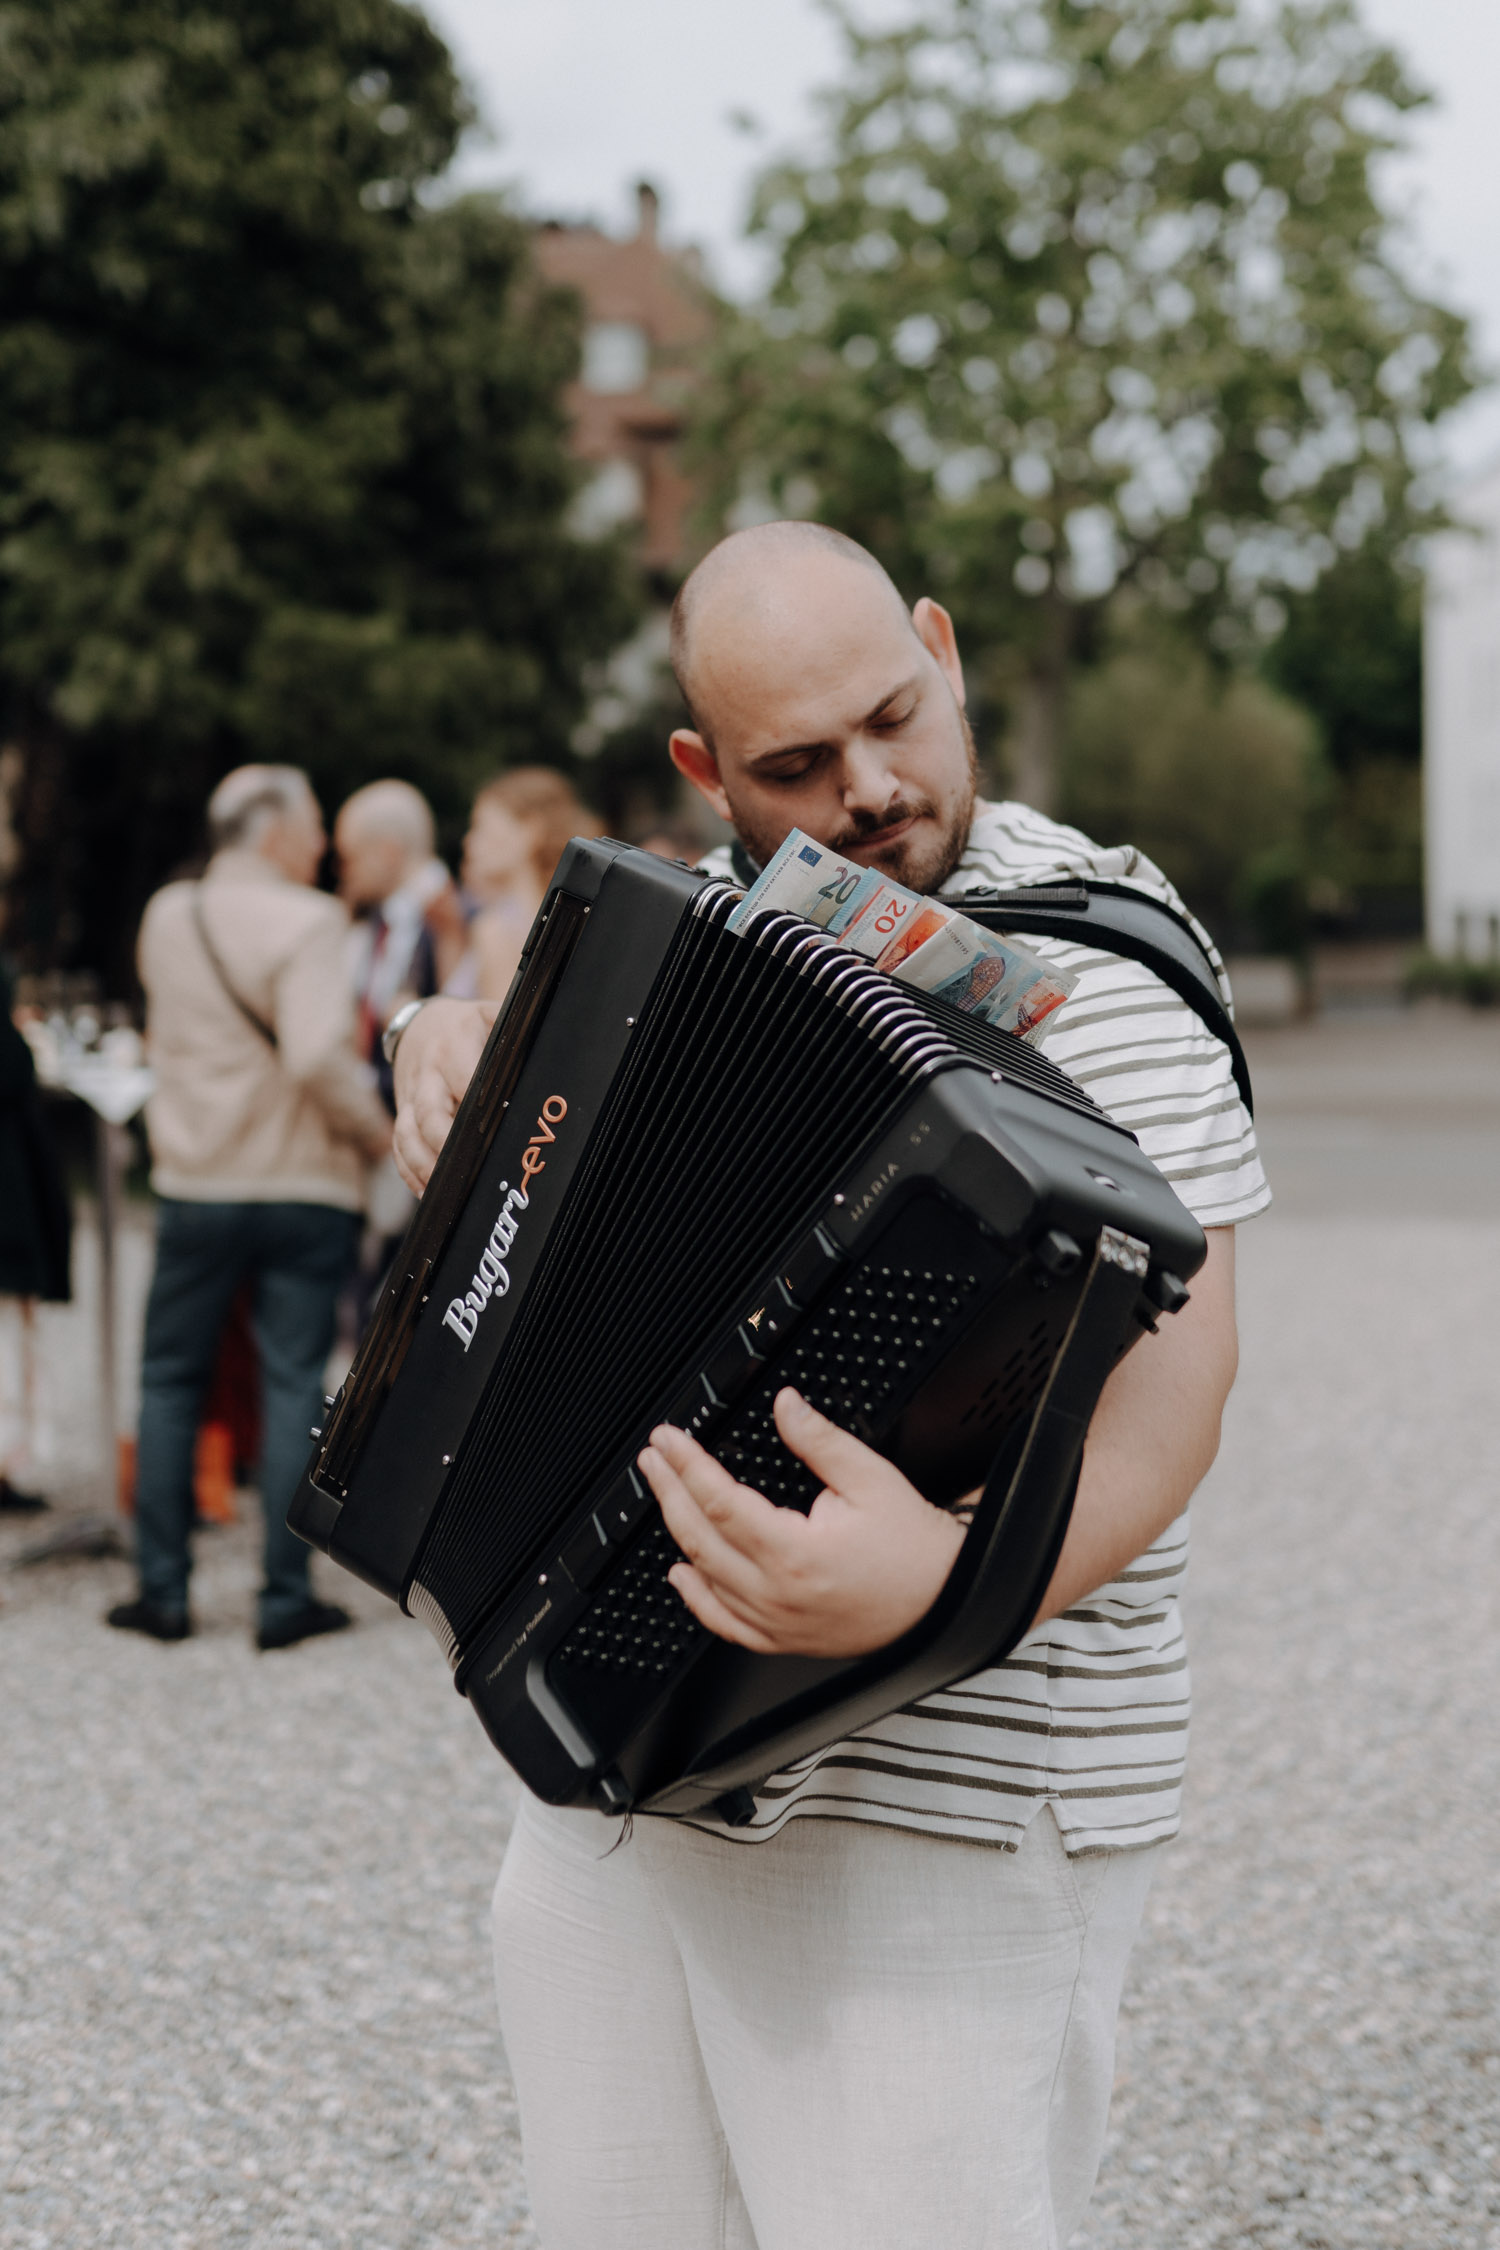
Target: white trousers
{"type": "Point", "coordinates": [842, 2038]}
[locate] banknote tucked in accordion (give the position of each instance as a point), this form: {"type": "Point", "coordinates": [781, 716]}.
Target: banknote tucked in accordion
{"type": "Point", "coordinates": [924, 942]}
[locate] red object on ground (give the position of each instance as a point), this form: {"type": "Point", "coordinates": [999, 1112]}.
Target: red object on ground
{"type": "Point", "coordinates": [229, 1431]}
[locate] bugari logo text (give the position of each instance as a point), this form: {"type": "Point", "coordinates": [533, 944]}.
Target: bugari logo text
{"type": "Point", "coordinates": [492, 1276]}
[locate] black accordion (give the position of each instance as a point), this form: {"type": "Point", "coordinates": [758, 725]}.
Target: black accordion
{"type": "Point", "coordinates": [696, 1164]}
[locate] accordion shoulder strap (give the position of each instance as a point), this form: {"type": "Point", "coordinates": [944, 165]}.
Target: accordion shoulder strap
{"type": "Point", "coordinates": [1117, 918]}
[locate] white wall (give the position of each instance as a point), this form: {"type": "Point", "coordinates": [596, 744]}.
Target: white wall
{"type": "Point", "coordinates": [1461, 645]}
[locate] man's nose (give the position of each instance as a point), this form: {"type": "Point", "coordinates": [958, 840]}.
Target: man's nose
{"type": "Point", "coordinates": [868, 782]}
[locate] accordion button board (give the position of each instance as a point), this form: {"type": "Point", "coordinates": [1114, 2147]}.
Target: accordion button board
{"type": "Point", "coordinates": [697, 1164]}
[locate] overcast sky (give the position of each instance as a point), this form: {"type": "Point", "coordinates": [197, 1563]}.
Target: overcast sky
{"type": "Point", "coordinates": [584, 97]}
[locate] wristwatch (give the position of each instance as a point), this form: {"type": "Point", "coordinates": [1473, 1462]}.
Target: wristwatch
{"type": "Point", "coordinates": [390, 1038]}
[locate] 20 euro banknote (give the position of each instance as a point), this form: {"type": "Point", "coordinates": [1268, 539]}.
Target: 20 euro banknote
{"type": "Point", "coordinates": [920, 941]}
{"type": "Point", "coordinates": [805, 878]}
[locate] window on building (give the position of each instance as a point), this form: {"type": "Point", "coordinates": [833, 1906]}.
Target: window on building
{"type": "Point", "coordinates": [616, 356]}
{"type": "Point", "coordinates": [615, 494]}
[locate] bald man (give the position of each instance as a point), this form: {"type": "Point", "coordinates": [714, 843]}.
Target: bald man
{"type": "Point", "coordinates": [882, 2014]}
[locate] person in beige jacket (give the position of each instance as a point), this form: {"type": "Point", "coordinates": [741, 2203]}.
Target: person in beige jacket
{"type": "Point", "coordinates": [262, 1127]}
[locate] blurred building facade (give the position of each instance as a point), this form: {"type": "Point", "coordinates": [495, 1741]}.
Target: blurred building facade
{"type": "Point", "coordinates": [648, 318]}
{"type": "Point", "coordinates": [1461, 729]}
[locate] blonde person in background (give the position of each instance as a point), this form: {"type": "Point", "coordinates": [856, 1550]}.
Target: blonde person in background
{"type": "Point", "coordinates": [517, 832]}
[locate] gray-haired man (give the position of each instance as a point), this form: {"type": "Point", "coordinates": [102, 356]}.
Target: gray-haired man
{"type": "Point", "coordinates": [261, 1127]}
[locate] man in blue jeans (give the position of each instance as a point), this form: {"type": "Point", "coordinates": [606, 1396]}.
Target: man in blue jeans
{"type": "Point", "coordinates": [262, 1127]}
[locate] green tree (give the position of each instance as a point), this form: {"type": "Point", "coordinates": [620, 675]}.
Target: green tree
{"type": "Point", "coordinates": [1351, 650]}
{"type": "Point", "coordinates": [1211, 772]}
{"type": "Point", "coordinates": [1351, 653]}
{"type": "Point", "coordinates": [1078, 298]}
{"type": "Point", "coordinates": [283, 469]}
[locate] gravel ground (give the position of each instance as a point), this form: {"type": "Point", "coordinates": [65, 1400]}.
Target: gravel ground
{"type": "Point", "coordinates": [243, 1957]}
{"type": "Point", "coordinates": [243, 1969]}
{"type": "Point", "coordinates": [1310, 2048]}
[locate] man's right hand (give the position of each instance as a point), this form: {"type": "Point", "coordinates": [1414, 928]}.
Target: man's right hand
{"type": "Point", "coordinates": [435, 1059]}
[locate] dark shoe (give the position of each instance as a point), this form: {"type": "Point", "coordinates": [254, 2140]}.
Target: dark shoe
{"type": "Point", "coordinates": [144, 1617]}
{"type": "Point", "coordinates": [13, 1503]}
{"type": "Point", "coordinates": [317, 1617]}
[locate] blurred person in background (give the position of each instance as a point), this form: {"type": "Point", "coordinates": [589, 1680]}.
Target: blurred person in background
{"type": "Point", "coordinates": [35, 1240]}
{"type": "Point", "coordinates": [517, 832]}
{"type": "Point", "coordinates": [262, 1127]}
{"type": "Point", "coordinates": [675, 839]}
{"type": "Point", "coordinates": [408, 934]}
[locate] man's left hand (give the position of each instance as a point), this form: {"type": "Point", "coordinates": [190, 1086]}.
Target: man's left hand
{"type": "Point", "coordinates": [867, 1561]}
{"type": "Point", "coordinates": [872, 1556]}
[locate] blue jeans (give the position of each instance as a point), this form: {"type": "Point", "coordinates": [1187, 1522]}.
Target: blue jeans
{"type": "Point", "coordinates": [296, 1256]}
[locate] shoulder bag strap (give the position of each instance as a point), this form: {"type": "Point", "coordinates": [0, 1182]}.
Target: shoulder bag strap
{"type": "Point", "coordinates": [256, 1022]}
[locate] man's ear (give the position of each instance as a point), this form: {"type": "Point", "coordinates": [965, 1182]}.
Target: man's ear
{"type": "Point", "coordinates": [934, 629]}
{"type": "Point", "coordinates": [694, 760]}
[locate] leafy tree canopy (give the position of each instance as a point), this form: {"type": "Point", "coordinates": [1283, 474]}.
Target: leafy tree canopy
{"type": "Point", "coordinates": [1081, 296]}
{"type": "Point", "coordinates": [282, 463]}
{"type": "Point", "coordinates": [1212, 773]}
{"type": "Point", "coordinates": [1351, 650]}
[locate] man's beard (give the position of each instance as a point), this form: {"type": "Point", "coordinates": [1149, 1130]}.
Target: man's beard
{"type": "Point", "coordinates": [921, 862]}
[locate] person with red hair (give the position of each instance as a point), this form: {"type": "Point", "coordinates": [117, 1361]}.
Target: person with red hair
{"type": "Point", "coordinates": [517, 832]}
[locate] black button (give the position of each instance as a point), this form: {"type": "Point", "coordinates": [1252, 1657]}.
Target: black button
{"type": "Point", "coordinates": [773, 1317]}
{"type": "Point", "coordinates": [731, 1369]}
{"type": "Point", "coordinates": [809, 1266]}
{"type": "Point", "coordinates": [586, 1554]}
{"type": "Point", "coordinates": [1166, 1291]}
{"type": "Point", "coordinates": [623, 1505]}
{"type": "Point", "coordinates": [691, 1411]}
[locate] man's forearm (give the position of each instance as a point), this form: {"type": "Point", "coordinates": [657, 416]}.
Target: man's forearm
{"type": "Point", "coordinates": [1153, 1437]}
{"type": "Point", "coordinates": [872, 1555]}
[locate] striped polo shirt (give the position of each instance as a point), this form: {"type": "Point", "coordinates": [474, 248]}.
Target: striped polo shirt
{"type": "Point", "coordinates": [1090, 1712]}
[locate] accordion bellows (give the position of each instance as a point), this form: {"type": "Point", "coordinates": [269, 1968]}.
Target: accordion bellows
{"type": "Point", "coordinates": [694, 1165]}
